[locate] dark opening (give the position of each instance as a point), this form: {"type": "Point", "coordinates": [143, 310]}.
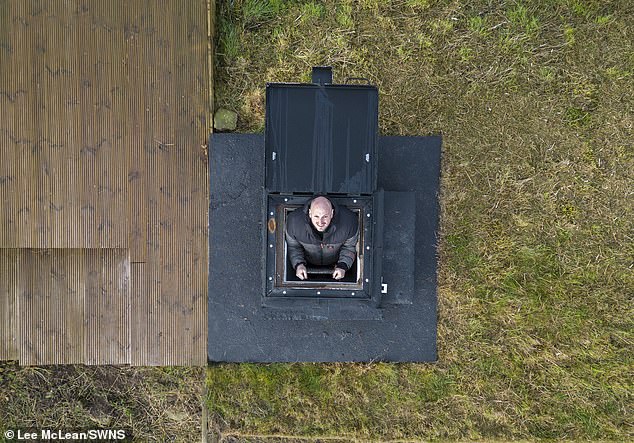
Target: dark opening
{"type": "Point", "coordinates": [281, 280]}
{"type": "Point", "coordinates": [323, 274]}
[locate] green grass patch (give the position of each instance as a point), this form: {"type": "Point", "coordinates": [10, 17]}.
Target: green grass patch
{"type": "Point", "coordinates": [254, 12]}
{"type": "Point", "coordinates": [522, 19]}
{"type": "Point", "coordinates": [534, 101]}
{"type": "Point", "coordinates": [479, 25]}
{"type": "Point", "coordinates": [311, 12]}
{"type": "Point", "coordinates": [229, 42]}
{"type": "Point", "coordinates": [577, 116]}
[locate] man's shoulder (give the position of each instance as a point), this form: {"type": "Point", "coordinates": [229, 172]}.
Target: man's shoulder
{"type": "Point", "coordinates": [347, 219]}
{"type": "Point", "coordinates": [345, 211]}
{"type": "Point", "coordinates": [295, 219]}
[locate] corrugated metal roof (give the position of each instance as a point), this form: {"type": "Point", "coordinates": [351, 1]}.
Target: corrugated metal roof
{"type": "Point", "coordinates": [103, 114]}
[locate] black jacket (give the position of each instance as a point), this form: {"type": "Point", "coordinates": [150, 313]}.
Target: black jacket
{"type": "Point", "coordinates": [337, 246]}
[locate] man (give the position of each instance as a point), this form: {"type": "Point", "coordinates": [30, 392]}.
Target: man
{"type": "Point", "coordinates": [322, 233]}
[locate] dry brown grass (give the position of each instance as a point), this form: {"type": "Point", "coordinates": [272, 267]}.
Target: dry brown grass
{"type": "Point", "coordinates": [534, 100]}
{"type": "Point", "coordinates": [151, 404]}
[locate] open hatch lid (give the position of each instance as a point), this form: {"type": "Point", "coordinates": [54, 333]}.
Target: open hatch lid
{"type": "Point", "coordinates": [321, 138]}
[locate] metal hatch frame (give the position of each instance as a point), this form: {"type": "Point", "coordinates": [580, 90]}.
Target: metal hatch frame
{"type": "Point", "coordinates": [277, 294]}
{"type": "Point", "coordinates": [369, 257]}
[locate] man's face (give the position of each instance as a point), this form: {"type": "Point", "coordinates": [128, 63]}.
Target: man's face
{"type": "Point", "coordinates": [320, 217]}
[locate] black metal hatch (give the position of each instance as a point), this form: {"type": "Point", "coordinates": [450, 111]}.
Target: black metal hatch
{"type": "Point", "coordinates": [321, 137]}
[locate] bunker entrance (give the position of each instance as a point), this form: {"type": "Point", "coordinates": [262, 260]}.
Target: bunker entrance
{"type": "Point", "coordinates": [317, 274]}
{"type": "Point", "coordinates": [281, 278]}
{"type": "Point", "coordinates": [321, 139]}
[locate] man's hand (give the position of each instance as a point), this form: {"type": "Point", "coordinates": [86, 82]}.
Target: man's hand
{"type": "Point", "coordinates": [338, 274]}
{"type": "Point", "coordinates": [300, 272]}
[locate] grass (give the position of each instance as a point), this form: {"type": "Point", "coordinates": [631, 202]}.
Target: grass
{"type": "Point", "coordinates": [535, 105]}
{"type": "Point", "coordinates": [534, 100]}
{"type": "Point", "coordinates": [150, 404]}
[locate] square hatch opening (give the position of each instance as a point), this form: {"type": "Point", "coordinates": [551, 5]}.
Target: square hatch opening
{"type": "Point", "coordinates": [319, 275]}
{"type": "Point", "coordinates": [280, 278]}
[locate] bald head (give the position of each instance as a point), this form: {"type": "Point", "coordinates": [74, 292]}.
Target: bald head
{"type": "Point", "coordinates": [320, 213]}
{"type": "Point", "coordinates": [321, 203]}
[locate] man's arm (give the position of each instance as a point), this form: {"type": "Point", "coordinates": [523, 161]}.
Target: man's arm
{"type": "Point", "coordinates": [295, 251]}
{"type": "Point", "coordinates": [348, 252]}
